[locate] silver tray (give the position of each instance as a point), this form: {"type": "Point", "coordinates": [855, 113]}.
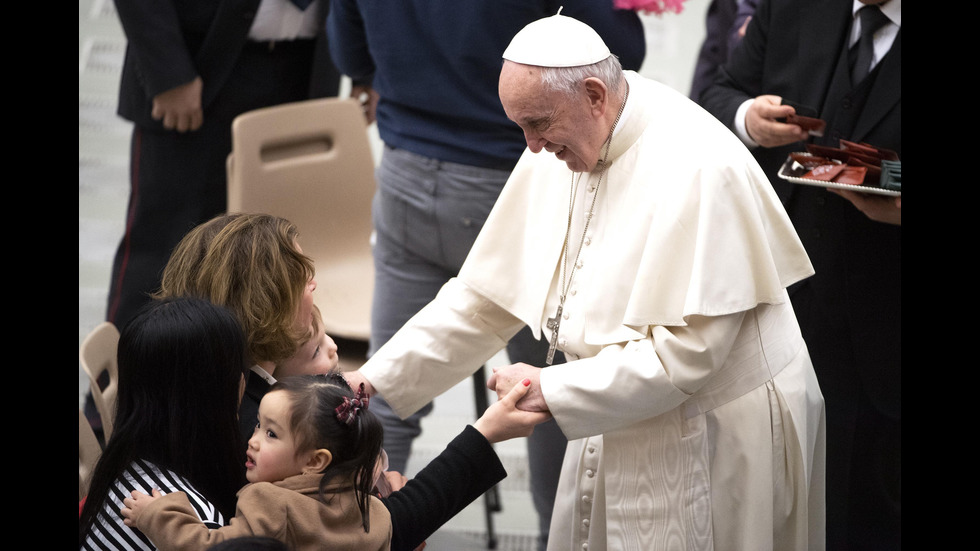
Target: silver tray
{"type": "Point", "coordinates": [791, 171]}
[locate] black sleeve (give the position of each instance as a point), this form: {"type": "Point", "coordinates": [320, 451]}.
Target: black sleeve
{"type": "Point", "coordinates": [464, 471]}
{"type": "Point", "coordinates": [741, 77]}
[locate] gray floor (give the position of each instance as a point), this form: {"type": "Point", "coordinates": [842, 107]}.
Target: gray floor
{"type": "Point", "coordinates": [103, 140]}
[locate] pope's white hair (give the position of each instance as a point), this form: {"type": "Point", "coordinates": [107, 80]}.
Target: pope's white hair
{"type": "Point", "coordinates": [567, 79]}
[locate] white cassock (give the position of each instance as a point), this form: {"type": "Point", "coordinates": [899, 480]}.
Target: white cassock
{"type": "Point", "coordinates": [693, 414]}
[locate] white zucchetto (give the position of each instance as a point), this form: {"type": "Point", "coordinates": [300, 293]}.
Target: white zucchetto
{"type": "Point", "coordinates": [557, 41]}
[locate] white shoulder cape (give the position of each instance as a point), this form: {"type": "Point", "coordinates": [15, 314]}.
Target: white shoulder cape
{"type": "Point", "coordinates": [702, 232]}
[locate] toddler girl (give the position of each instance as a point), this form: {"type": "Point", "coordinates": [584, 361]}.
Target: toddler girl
{"type": "Point", "coordinates": [311, 467]}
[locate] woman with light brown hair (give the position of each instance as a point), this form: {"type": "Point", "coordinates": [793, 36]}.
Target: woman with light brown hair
{"type": "Point", "coordinates": [253, 265]}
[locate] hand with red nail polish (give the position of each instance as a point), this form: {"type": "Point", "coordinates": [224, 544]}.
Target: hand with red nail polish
{"type": "Point", "coordinates": [503, 420]}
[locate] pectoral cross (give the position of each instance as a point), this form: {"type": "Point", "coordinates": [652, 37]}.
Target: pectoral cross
{"type": "Point", "coordinates": [553, 324]}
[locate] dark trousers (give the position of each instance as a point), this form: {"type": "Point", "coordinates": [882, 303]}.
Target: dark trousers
{"type": "Point", "coordinates": [178, 181]}
{"type": "Point", "coordinates": [864, 442]}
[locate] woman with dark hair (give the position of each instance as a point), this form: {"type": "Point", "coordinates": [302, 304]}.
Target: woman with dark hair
{"type": "Point", "coordinates": [182, 363]}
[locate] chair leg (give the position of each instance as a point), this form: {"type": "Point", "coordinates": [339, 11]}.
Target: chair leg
{"type": "Point", "coordinates": [491, 498]}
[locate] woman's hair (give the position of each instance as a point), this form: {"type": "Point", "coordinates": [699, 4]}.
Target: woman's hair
{"type": "Point", "coordinates": [315, 422]}
{"type": "Point", "coordinates": [568, 79]}
{"type": "Point", "coordinates": [250, 264]}
{"type": "Point", "coordinates": [181, 363]}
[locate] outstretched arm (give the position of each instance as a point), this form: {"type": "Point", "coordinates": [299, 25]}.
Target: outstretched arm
{"type": "Point", "coordinates": [463, 472]}
{"type": "Point", "coordinates": [171, 523]}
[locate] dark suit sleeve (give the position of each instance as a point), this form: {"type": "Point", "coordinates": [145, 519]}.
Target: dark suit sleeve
{"type": "Point", "coordinates": [741, 77]}
{"type": "Point", "coordinates": [464, 471]}
{"type": "Point", "coordinates": [157, 41]}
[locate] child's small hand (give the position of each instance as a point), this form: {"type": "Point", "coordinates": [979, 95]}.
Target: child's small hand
{"type": "Point", "coordinates": [396, 480]}
{"type": "Point", "coordinates": [503, 420]}
{"type": "Point", "coordinates": [135, 505]}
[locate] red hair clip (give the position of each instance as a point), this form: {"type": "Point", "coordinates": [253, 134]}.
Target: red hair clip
{"type": "Point", "coordinates": [347, 411]}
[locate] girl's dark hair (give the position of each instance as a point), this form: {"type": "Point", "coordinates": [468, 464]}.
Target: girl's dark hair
{"type": "Point", "coordinates": [181, 363]}
{"type": "Point", "coordinates": [355, 446]}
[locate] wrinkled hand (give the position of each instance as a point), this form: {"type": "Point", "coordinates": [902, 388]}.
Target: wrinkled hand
{"type": "Point", "coordinates": [506, 377]}
{"type": "Point", "coordinates": [879, 208]}
{"type": "Point", "coordinates": [503, 420]}
{"type": "Point", "coordinates": [369, 101]}
{"type": "Point", "coordinates": [180, 108]}
{"type": "Point", "coordinates": [135, 506]}
{"type": "Point", "coordinates": [762, 126]}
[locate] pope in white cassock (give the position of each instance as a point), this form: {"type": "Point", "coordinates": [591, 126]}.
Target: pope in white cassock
{"type": "Point", "coordinates": [647, 244]}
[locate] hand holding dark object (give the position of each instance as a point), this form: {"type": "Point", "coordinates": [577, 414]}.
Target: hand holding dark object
{"type": "Point", "coordinates": [762, 122]}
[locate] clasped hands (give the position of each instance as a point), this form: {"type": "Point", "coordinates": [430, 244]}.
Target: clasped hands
{"type": "Point", "coordinates": [502, 381]}
{"type": "Point", "coordinates": [507, 377]}
{"type": "Point", "coordinates": [520, 405]}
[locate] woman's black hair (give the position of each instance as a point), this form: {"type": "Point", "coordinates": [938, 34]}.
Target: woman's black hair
{"type": "Point", "coordinates": [181, 363]}
{"type": "Point", "coordinates": [354, 442]}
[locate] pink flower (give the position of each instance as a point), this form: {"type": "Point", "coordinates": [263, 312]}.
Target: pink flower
{"type": "Point", "coordinates": [650, 6]}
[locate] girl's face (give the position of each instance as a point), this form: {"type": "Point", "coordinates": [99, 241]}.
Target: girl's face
{"type": "Point", "coordinates": [272, 455]}
{"type": "Point", "coordinates": [317, 355]}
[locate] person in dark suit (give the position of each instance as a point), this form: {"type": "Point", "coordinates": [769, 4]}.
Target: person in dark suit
{"type": "Point", "coordinates": [725, 25]}
{"type": "Point", "coordinates": [796, 54]}
{"type": "Point", "coordinates": [190, 68]}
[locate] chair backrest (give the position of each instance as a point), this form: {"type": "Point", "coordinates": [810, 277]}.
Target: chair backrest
{"type": "Point", "coordinates": [89, 451]}
{"type": "Point", "coordinates": [98, 358]}
{"type": "Point", "coordinates": [311, 162]}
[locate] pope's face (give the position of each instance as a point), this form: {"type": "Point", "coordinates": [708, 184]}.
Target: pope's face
{"type": "Point", "coordinates": [551, 121]}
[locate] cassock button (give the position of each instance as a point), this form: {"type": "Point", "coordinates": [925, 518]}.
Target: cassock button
{"type": "Point", "coordinates": [588, 241]}
{"type": "Point", "coordinates": [591, 449]}
{"type": "Point", "coordinates": [565, 315]}
{"type": "Point", "coordinates": [590, 473]}
{"type": "Point", "coordinates": [586, 499]}
{"type": "Point", "coordinates": [579, 264]}
{"type": "Point", "coordinates": [585, 546]}
{"type": "Point", "coordinates": [585, 522]}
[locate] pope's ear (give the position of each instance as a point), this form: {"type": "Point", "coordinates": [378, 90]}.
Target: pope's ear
{"type": "Point", "coordinates": [597, 92]}
{"type": "Point", "coordinates": [318, 461]}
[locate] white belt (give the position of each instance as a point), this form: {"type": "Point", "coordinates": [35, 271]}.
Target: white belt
{"type": "Point", "coordinates": [764, 346]}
